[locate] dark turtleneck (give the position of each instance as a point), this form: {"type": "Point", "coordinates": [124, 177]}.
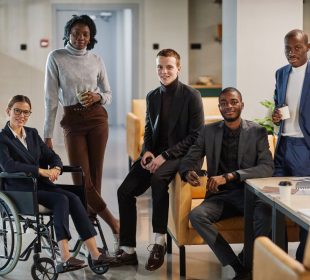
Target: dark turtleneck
{"type": "Point", "coordinates": [167, 94]}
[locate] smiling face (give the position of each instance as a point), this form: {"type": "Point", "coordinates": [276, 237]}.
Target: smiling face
{"type": "Point", "coordinates": [167, 69]}
{"type": "Point", "coordinates": [79, 36]}
{"type": "Point", "coordinates": [230, 105]}
{"type": "Point", "coordinates": [18, 115]}
{"type": "Point", "coordinates": [296, 49]}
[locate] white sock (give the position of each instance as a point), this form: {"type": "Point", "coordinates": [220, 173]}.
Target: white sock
{"type": "Point", "coordinates": [128, 250]}
{"type": "Point", "coordinates": [160, 239]}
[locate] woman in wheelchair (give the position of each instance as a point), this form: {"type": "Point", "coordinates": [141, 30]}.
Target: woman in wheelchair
{"type": "Point", "coordinates": [22, 150]}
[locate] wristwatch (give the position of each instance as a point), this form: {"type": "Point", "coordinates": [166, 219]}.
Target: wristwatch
{"type": "Point", "coordinates": [165, 155]}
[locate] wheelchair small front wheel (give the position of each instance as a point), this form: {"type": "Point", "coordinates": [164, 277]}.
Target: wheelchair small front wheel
{"type": "Point", "coordinates": [10, 235]}
{"type": "Point", "coordinates": [44, 269]}
{"type": "Point", "coordinates": [98, 269]}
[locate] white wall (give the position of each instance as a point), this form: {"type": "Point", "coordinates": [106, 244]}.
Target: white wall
{"type": "Point", "coordinates": [204, 16]}
{"type": "Point", "coordinates": [160, 21]}
{"type": "Point", "coordinates": [260, 29]}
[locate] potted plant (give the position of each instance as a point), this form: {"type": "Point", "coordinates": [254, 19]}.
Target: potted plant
{"type": "Point", "coordinates": [267, 121]}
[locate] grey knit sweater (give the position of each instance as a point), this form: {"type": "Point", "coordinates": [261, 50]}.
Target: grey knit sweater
{"type": "Point", "coordinates": [69, 71]}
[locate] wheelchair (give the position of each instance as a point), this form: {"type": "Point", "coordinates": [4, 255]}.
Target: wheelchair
{"type": "Point", "coordinates": [20, 212]}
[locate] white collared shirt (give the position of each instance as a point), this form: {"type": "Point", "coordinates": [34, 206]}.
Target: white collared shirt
{"type": "Point", "coordinates": [21, 139]}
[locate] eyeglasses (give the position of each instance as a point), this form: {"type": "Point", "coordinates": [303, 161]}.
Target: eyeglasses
{"type": "Point", "coordinates": [18, 112]}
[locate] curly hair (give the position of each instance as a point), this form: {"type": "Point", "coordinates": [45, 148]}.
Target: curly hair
{"type": "Point", "coordinates": [82, 19]}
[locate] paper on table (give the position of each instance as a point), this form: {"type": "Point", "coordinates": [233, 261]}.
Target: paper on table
{"type": "Point", "coordinates": [305, 211]}
{"type": "Point", "coordinates": [269, 189]}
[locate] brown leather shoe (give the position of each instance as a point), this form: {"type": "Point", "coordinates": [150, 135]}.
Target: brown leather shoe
{"type": "Point", "coordinates": [72, 264]}
{"type": "Point", "coordinates": [122, 258]}
{"type": "Point", "coordinates": [156, 258]}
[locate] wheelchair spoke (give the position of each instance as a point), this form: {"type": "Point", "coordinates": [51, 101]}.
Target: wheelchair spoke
{"type": "Point", "coordinates": [10, 235]}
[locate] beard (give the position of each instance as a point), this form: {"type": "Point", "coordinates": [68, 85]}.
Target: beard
{"type": "Point", "coordinates": [232, 119]}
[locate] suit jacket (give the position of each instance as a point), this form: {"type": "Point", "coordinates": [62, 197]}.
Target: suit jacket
{"type": "Point", "coordinates": [254, 157]}
{"type": "Point", "coordinates": [14, 157]}
{"type": "Point", "coordinates": [282, 76]}
{"type": "Point", "coordinates": [186, 120]}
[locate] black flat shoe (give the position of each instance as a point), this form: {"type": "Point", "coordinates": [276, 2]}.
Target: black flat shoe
{"type": "Point", "coordinates": [73, 264]}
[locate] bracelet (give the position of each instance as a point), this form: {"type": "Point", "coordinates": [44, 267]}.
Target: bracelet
{"type": "Point", "coordinates": [57, 167]}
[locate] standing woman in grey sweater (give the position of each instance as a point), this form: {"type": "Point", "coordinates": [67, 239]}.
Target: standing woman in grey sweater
{"type": "Point", "coordinates": [77, 79]}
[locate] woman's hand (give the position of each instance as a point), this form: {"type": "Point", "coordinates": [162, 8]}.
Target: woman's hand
{"type": "Point", "coordinates": [89, 98]}
{"type": "Point", "coordinates": [52, 173]}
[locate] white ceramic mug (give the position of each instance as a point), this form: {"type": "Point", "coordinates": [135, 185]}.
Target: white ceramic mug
{"type": "Point", "coordinates": [285, 112]}
{"type": "Point", "coordinates": [285, 192]}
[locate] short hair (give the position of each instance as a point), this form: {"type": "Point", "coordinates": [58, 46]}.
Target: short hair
{"type": "Point", "coordinates": [169, 53]}
{"type": "Point", "coordinates": [82, 19]}
{"type": "Point", "coordinates": [295, 33]}
{"type": "Point", "coordinates": [18, 98]}
{"type": "Point", "coordinates": [230, 89]}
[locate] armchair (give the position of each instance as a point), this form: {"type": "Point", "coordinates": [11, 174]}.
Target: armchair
{"type": "Point", "coordinates": [183, 198]}
{"type": "Point", "coordinates": [272, 263]}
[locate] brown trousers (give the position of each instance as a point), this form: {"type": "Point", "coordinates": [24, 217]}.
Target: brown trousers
{"type": "Point", "coordinates": [86, 134]}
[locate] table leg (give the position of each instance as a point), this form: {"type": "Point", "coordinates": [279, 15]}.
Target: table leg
{"type": "Point", "coordinates": [248, 227]}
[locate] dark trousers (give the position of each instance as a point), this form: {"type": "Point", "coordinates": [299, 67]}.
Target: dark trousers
{"type": "Point", "coordinates": [292, 158]}
{"type": "Point", "coordinates": [222, 206]}
{"type": "Point", "coordinates": [62, 203]}
{"type": "Point", "coordinates": [86, 133]}
{"type": "Point", "coordinates": [136, 183]}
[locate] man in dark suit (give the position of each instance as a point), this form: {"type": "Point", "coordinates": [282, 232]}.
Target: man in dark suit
{"type": "Point", "coordinates": [236, 150]}
{"type": "Point", "coordinates": [174, 117]}
{"type": "Point", "coordinates": [292, 156]}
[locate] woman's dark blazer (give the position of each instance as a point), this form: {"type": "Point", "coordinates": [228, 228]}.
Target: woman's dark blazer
{"type": "Point", "coordinates": [14, 157]}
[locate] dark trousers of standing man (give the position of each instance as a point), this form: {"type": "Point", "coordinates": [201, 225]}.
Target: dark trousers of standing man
{"type": "Point", "coordinates": [292, 158]}
{"type": "Point", "coordinates": [136, 183]}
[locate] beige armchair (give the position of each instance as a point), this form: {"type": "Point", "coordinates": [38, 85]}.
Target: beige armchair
{"type": "Point", "coordinates": [135, 123]}
{"type": "Point", "coordinates": [272, 263]}
{"type": "Point", "coordinates": [182, 198]}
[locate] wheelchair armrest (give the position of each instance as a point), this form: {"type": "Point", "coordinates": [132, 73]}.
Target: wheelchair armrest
{"type": "Point", "coordinates": [15, 175]}
{"type": "Point", "coordinates": [72, 169]}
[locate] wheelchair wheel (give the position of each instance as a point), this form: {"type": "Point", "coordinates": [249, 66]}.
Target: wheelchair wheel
{"type": "Point", "coordinates": [44, 269]}
{"type": "Point", "coordinates": [102, 269]}
{"type": "Point", "coordinates": [10, 235]}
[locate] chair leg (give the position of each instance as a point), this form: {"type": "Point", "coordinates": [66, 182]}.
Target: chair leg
{"type": "Point", "coordinates": [169, 244]}
{"type": "Point", "coordinates": [182, 261]}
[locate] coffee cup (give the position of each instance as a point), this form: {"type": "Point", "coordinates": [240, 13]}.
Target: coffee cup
{"type": "Point", "coordinates": [285, 189]}
{"type": "Point", "coordinates": [285, 112]}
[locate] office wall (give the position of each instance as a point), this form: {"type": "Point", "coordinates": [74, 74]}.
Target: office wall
{"type": "Point", "coordinates": [160, 21]}
{"type": "Point", "coordinates": [260, 29]}
{"type": "Point", "coordinates": [204, 16]}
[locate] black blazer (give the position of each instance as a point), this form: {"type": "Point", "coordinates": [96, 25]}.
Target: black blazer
{"type": "Point", "coordinates": [254, 157]}
{"type": "Point", "coordinates": [186, 119]}
{"type": "Point", "coordinates": [14, 157]}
